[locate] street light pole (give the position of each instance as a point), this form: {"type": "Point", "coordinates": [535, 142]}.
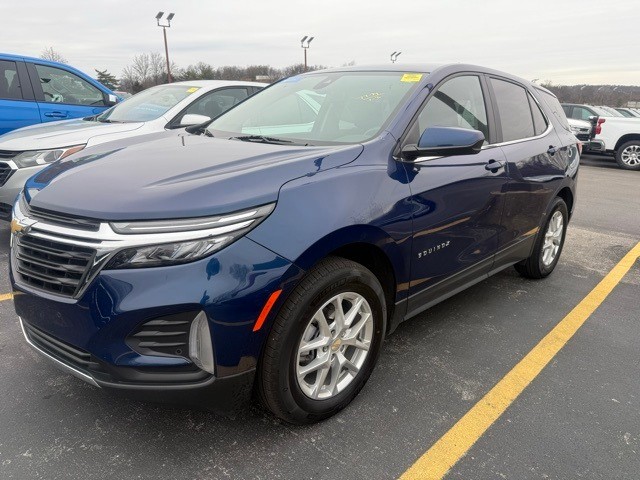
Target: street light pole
{"type": "Point", "coordinates": [394, 56]}
{"type": "Point", "coordinates": [166, 46]}
{"type": "Point", "coordinates": [304, 46]}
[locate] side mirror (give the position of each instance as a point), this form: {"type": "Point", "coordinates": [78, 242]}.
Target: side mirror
{"type": "Point", "coordinates": [110, 100]}
{"type": "Point", "coordinates": [193, 119]}
{"type": "Point", "coordinates": [445, 141]}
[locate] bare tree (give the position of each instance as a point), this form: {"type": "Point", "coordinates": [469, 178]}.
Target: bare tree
{"type": "Point", "coordinates": [146, 70]}
{"type": "Point", "coordinates": [51, 54]}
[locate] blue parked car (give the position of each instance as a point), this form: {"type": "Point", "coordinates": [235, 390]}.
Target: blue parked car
{"type": "Point", "coordinates": [272, 251]}
{"type": "Point", "coordinates": [33, 90]}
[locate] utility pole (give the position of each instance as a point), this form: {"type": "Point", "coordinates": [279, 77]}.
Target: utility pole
{"type": "Point", "coordinates": [304, 43]}
{"type": "Point", "coordinates": [164, 31]}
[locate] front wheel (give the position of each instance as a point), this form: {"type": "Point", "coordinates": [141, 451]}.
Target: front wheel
{"type": "Point", "coordinates": [324, 343]}
{"type": "Point", "coordinates": [628, 155]}
{"type": "Point", "coordinates": [549, 243]}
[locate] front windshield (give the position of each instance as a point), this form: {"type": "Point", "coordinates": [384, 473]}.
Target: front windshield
{"type": "Point", "coordinates": [320, 108]}
{"type": "Point", "coordinates": [148, 104]}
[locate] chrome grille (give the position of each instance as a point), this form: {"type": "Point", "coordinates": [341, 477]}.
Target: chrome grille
{"type": "Point", "coordinates": [52, 266]}
{"type": "Point", "coordinates": [5, 172]}
{"type": "Point", "coordinates": [8, 153]}
{"type": "Point", "coordinates": [55, 218]}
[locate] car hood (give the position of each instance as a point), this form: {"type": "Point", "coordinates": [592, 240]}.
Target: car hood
{"type": "Point", "coordinates": [164, 175]}
{"type": "Point", "coordinates": [60, 134]}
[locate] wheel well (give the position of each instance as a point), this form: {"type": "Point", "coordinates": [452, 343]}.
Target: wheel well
{"type": "Point", "coordinates": [625, 138]}
{"type": "Point", "coordinates": [566, 195]}
{"type": "Point", "coordinates": [376, 260]}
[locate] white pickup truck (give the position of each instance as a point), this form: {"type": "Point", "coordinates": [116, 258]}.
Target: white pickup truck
{"type": "Point", "coordinates": [617, 135]}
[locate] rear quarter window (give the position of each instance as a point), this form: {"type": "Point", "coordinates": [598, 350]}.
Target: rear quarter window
{"type": "Point", "coordinates": [553, 105]}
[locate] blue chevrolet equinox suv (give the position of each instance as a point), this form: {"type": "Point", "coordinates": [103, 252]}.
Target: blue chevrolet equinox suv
{"type": "Point", "coordinates": [271, 251]}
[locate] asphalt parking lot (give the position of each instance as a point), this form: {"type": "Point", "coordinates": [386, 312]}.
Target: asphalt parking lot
{"type": "Point", "coordinates": [577, 419]}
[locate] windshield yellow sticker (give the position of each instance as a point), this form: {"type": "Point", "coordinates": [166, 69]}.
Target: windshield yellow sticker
{"type": "Point", "coordinates": [193, 89]}
{"type": "Point", "coordinates": [411, 77]}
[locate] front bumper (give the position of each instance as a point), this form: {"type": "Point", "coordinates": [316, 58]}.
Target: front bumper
{"type": "Point", "coordinates": [12, 187]}
{"type": "Point", "coordinates": [217, 394]}
{"type": "Point", "coordinates": [90, 337]}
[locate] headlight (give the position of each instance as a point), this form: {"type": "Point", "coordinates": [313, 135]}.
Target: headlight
{"type": "Point", "coordinates": [209, 234]}
{"type": "Point", "coordinates": [33, 158]}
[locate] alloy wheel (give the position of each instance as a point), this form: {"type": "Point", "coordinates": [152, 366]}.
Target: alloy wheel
{"type": "Point", "coordinates": [631, 155]}
{"type": "Point", "coordinates": [334, 346]}
{"type": "Point", "coordinates": [552, 238]}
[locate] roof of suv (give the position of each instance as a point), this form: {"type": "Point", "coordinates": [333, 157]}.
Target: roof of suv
{"type": "Point", "coordinates": [431, 68]}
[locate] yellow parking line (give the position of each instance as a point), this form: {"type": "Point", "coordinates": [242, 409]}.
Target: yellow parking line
{"type": "Point", "coordinates": [6, 296]}
{"type": "Point", "coordinates": [454, 444]}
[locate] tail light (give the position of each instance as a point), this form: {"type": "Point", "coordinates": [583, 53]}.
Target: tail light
{"type": "Point", "coordinates": [599, 126]}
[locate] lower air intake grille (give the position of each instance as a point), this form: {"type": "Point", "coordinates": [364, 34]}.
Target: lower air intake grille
{"type": "Point", "coordinates": [5, 172]}
{"type": "Point", "coordinates": [166, 336]}
{"type": "Point", "coordinates": [51, 266]}
{"type": "Point", "coordinates": [70, 355]}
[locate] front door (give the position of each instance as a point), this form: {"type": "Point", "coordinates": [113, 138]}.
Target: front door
{"type": "Point", "coordinates": [457, 200]}
{"type": "Point", "coordinates": [64, 95]}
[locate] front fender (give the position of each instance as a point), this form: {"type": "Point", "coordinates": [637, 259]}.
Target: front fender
{"type": "Point", "coordinates": [351, 204]}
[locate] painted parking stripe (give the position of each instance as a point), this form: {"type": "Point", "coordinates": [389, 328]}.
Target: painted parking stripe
{"type": "Point", "coordinates": [454, 444]}
{"type": "Point", "coordinates": [6, 296]}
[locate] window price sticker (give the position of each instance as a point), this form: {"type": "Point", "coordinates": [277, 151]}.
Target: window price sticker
{"type": "Point", "coordinates": [411, 77]}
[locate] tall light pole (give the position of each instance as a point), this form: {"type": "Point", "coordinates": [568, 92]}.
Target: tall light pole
{"type": "Point", "coordinates": [394, 56]}
{"type": "Point", "coordinates": [164, 31]}
{"type": "Point", "coordinates": [304, 43]}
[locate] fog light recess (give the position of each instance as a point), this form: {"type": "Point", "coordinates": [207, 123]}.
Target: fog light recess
{"type": "Point", "coordinates": [200, 345]}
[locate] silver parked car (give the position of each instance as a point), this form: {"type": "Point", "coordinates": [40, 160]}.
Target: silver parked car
{"type": "Point", "coordinates": [26, 151]}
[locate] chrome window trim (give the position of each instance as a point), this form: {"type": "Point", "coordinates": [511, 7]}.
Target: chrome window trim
{"type": "Point", "coordinates": [520, 140]}
{"type": "Point", "coordinates": [107, 243]}
{"type": "Point", "coordinates": [59, 363]}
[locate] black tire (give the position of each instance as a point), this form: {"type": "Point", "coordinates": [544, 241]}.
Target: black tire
{"type": "Point", "coordinates": [534, 267]}
{"type": "Point", "coordinates": [277, 384]}
{"type": "Point", "coordinates": [623, 147]}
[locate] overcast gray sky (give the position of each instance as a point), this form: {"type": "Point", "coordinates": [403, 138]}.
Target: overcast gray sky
{"type": "Point", "coordinates": [565, 41]}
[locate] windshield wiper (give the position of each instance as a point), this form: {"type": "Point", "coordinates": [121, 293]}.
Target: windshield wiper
{"type": "Point", "coordinates": [260, 139]}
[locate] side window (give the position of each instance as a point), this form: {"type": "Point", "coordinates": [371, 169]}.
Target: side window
{"type": "Point", "coordinates": [457, 103]}
{"type": "Point", "coordinates": [539, 122]}
{"type": "Point", "coordinates": [9, 81]}
{"type": "Point", "coordinates": [514, 110]}
{"type": "Point", "coordinates": [60, 86]}
{"type": "Point", "coordinates": [216, 103]}
{"type": "Point", "coordinates": [581, 113]}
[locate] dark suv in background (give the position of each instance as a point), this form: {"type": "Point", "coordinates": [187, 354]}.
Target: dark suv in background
{"type": "Point", "coordinates": [272, 251]}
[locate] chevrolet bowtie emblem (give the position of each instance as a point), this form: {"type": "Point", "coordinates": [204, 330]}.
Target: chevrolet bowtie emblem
{"type": "Point", "coordinates": [17, 227]}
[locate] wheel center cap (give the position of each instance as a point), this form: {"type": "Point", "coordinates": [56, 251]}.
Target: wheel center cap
{"type": "Point", "coordinates": [336, 345]}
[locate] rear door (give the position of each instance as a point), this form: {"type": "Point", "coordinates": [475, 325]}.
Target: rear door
{"type": "Point", "coordinates": [536, 162]}
{"type": "Point", "coordinates": [457, 200]}
{"type": "Point", "coordinates": [61, 94]}
{"type": "Point", "coordinates": [17, 104]}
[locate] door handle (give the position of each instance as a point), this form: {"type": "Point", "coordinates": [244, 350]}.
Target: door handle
{"type": "Point", "coordinates": [552, 150]}
{"type": "Point", "coordinates": [493, 165]}
{"type": "Point", "coordinates": [55, 114]}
